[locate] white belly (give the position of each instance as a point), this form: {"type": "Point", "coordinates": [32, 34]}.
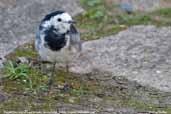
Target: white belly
{"type": "Point", "coordinates": [62, 56]}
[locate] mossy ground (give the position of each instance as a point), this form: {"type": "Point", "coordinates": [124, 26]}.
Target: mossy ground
{"type": "Point", "coordinates": [79, 90]}
{"type": "Point", "coordinates": [100, 18]}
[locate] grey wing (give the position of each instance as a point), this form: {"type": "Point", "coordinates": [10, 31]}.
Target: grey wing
{"type": "Point", "coordinates": [37, 39]}
{"type": "Point", "coordinates": [75, 38]}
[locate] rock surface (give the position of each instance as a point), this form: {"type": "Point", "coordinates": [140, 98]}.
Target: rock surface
{"type": "Point", "coordinates": [140, 53]}
{"type": "Point", "coordinates": [19, 19]}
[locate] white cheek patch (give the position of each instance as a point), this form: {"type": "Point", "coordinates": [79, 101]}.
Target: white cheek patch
{"type": "Point", "coordinates": [66, 17]}
{"type": "Point", "coordinates": [54, 20]}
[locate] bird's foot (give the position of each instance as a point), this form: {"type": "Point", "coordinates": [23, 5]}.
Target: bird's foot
{"type": "Point", "coordinates": [50, 83]}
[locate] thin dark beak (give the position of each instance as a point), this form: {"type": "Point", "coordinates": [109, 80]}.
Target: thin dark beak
{"type": "Point", "coordinates": [72, 22]}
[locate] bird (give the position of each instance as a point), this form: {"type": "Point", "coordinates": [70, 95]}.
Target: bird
{"type": "Point", "coordinates": [57, 40]}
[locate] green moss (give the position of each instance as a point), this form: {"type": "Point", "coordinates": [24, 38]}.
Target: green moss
{"type": "Point", "coordinates": [90, 3]}
{"type": "Point", "coordinates": [30, 79]}
{"type": "Point", "coordinates": [124, 100]}
{"type": "Point", "coordinates": [80, 91]}
{"type": "Point", "coordinates": [26, 50]}
{"type": "Point", "coordinates": [165, 12]}
{"type": "Point", "coordinates": [101, 16]}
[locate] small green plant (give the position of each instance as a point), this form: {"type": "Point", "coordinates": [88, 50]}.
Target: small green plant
{"type": "Point", "coordinates": [19, 72]}
{"type": "Point", "coordinates": [91, 3]}
{"type": "Point", "coordinates": [22, 74]}
{"type": "Point", "coordinates": [16, 71]}
{"type": "Point", "coordinates": [78, 92]}
{"type": "Point", "coordinates": [97, 14]}
{"type": "Point", "coordinates": [44, 87]}
{"type": "Point", "coordinates": [94, 14]}
{"type": "Point", "coordinates": [166, 12]}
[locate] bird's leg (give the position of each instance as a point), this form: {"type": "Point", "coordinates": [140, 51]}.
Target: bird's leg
{"type": "Point", "coordinates": [43, 65]}
{"type": "Point", "coordinates": [67, 67]}
{"type": "Point", "coordinates": [51, 78]}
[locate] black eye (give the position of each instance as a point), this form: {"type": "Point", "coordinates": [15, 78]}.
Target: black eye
{"type": "Point", "coordinates": [59, 19]}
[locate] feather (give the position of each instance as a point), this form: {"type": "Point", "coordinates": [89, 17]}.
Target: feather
{"type": "Point", "coordinates": [37, 40]}
{"type": "Point", "coordinates": [75, 37]}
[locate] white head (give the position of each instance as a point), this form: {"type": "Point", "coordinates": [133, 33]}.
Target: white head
{"type": "Point", "coordinates": [60, 20]}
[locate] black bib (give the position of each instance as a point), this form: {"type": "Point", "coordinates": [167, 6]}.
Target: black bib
{"type": "Point", "coordinates": [53, 40]}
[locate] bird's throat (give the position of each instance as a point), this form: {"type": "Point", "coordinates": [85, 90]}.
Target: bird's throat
{"type": "Point", "coordinates": [54, 40]}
